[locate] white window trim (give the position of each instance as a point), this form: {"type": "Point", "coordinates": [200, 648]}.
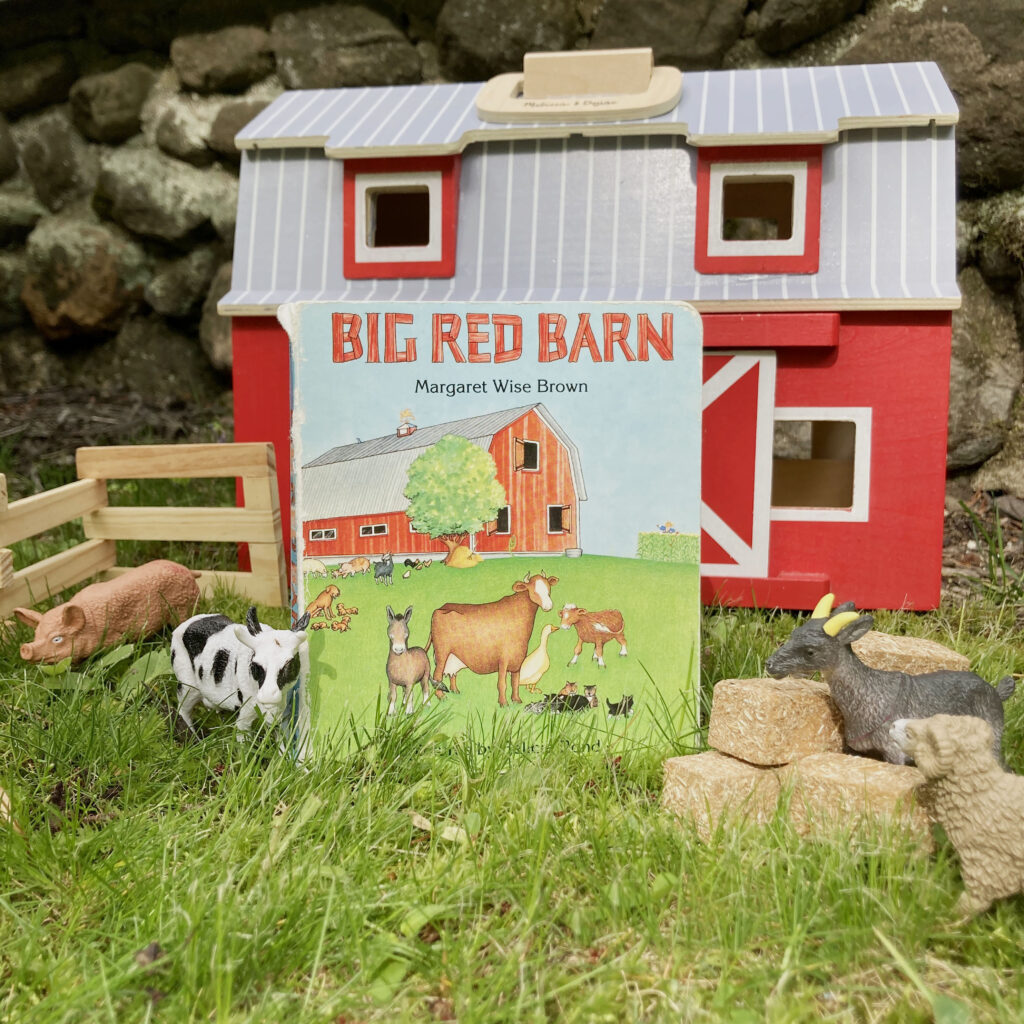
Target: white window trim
{"type": "Point", "coordinates": [795, 245]}
{"type": "Point", "coordinates": [860, 416]}
{"type": "Point", "coordinates": [365, 185]}
{"type": "Point", "coordinates": [318, 535]}
{"type": "Point", "coordinates": [369, 530]}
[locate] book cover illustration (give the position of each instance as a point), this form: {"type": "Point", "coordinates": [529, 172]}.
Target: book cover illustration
{"type": "Point", "coordinates": [497, 511]}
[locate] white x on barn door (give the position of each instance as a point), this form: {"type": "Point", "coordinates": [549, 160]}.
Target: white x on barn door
{"type": "Point", "coordinates": [736, 462]}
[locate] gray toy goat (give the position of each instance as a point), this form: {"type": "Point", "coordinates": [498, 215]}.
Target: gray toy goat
{"type": "Point", "coordinates": [869, 699]}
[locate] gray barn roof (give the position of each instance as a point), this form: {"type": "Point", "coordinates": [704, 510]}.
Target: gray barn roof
{"type": "Point", "coordinates": [716, 108]}
{"type": "Point", "coordinates": [370, 477]}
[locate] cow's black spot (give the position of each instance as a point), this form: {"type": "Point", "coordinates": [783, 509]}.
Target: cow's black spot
{"type": "Point", "coordinates": [258, 672]}
{"type": "Point", "coordinates": [220, 665]}
{"type": "Point", "coordinates": [195, 636]}
{"type": "Point", "coordinates": [289, 673]}
{"type": "Point", "coordinates": [181, 690]}
{"type": "Point", "coordinates": [172, 655]}
{"type": "Point", "coordinates": [200, 671]}
{"type": "Point", "coordinates": [241, 699]}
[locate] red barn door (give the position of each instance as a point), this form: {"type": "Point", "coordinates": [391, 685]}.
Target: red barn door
{"type": "Point", "coordinates": [736, 469]}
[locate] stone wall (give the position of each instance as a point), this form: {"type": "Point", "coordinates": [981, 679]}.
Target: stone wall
{"type": "Point", "coordinates": [118, 176]}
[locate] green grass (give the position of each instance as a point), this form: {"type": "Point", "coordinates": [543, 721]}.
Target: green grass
{"type": "Point", "coordinates": [659, 605]}
{"type": "Point", "coordinates": [413, 877]}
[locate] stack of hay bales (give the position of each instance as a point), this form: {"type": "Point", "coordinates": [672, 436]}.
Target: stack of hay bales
{"type": "Point", "coordinates": [775, 736]}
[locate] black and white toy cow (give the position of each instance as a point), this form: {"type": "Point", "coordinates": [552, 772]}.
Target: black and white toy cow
{"type": "Point", "coordinates": [248, 669]}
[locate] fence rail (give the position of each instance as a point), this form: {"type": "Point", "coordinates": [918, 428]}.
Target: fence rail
{"type": "Point", "coordinates": [258, 523]}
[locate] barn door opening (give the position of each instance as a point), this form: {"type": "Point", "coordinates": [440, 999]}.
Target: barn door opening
{"type": "Point", "coordinates": [738, 401]}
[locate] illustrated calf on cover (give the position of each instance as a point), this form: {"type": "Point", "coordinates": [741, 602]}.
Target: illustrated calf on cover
{"type": "Point", "coordinates": [595, 628]}
{"type": "Point", "coordinates": [489, 637]}
{"type": "Point", "coordinates": [248, 669]}
{"type": "Point", "coordinates": [869, 699]}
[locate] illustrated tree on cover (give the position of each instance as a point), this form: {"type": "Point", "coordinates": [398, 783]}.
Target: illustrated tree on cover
{"type": "Point", "coordinates": [453, 490]}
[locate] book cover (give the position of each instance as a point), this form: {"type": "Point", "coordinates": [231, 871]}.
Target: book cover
{"type": "Point", "coordinates": [497, 511]}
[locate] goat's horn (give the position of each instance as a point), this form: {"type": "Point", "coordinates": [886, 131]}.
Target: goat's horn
{"type": "Point", "coordinates": [823, 609]}
{"type": "Point", "coordinates": [838, 622]}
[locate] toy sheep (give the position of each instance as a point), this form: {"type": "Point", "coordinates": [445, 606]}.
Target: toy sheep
{"type": "Point", "coordinates": [130, 606]}
{"type": "Point", "coordinates": [248, 669]}
{"type": "Point", "coordinates": [977, 802]}
{"type": "Point", "coordinates": [869, 699]}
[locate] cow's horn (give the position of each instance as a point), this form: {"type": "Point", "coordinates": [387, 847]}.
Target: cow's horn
{"type": "Point", "coordinates": [823, 609]}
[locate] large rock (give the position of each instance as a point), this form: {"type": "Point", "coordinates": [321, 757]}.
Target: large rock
{"type": "Point", "coordinates": [40, 80]}
{"type": "Point", "coordinates": [83, 277]}
{"type": "Point", "coordinates": [481, 38]}
{"type": "Point", "coordinates": [153, 195]}
{"type": "Point", "coordinates": [214, 329]}
{"type": "Point", "coordinates": [986, 373]}
{"type": "Point", "coordinates": [692, 35]}
{"type": "Point", "coordinates": [231, 119]}
{"type": "Point", "coordinates": [177, 288]}
{"type": "Point", "coordinates": [106, 106]}
{"type": "Point", "coordinates": [59, 163]}
{"type": "Point", "coordinates": [773, 721]}
{"type": "Point", "coordinates": [830, 790]}
{"type": "Point", "coordinates": [784, 24]}
{"type": "Point", "coordinates": [149, 357]}
{"type": "Point", "coordinates": [1005, 471]}
{"type": "Point", "coordinates": [20, 211]}
{"type": "Point", "coordinates": [330, 46]}
{"type": "Point", "coordinates": [710, 789]}
{"type": "Point", "coordinates": [997, 24]}
{"type": "Point", "coordinates": [13, 266]}
{"type": "Point", "coordinates": [8, 151]}
{"type": "Point", "coordinates": [226, 61]}
{"type": "Point", "coordinates": [182, 124]}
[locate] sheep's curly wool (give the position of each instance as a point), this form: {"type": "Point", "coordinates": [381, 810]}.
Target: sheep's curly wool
{"type": "Point", "coordinates": [978, 803]}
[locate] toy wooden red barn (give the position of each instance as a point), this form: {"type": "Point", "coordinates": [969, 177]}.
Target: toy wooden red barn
{"type": "Point", "coordinates": [807, 213]}
{"type": "Point", "coordinates": [354, 496]}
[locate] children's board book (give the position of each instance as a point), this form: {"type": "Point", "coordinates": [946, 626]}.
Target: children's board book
{"type": "Point", "coordinates": [497, 511]}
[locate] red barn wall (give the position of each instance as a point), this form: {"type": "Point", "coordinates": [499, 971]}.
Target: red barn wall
{"type": "Point", "coordinates": [530, 492]}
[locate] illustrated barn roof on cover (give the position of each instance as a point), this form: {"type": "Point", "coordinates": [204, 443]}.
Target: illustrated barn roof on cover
{"type": "Point", "coordinates": [368, 477]}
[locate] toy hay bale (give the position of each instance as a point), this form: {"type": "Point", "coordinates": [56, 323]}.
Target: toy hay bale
{"type": "Point", "coordinates": [831, 789]}
{"type": "Point", "coordinates": [773, 721]}
{"type": "Point", "coordinates": [704, 787]}
{"type": "Point", "coordinates": [908, 654]}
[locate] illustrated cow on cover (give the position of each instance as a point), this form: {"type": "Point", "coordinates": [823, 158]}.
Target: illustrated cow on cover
{"type": "Point", "coordinates": [490, 637]}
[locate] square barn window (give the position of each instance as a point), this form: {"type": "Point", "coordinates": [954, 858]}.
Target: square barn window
{"type": "Point", "coordinates": [526, 455]}
{"type": "Point", "coordinates": [400, 217]}
{"type": "Point", "coordinates": [821, 464]}
{"type": "Point", "coordinates": [502, 522]}
{"type": "Point", "coordinates": [758, 210]}
{"type": "Point", "coordinates": [559, 518]}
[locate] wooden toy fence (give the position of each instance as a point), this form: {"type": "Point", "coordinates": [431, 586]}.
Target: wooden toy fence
{"type": "Point", "coordinates": [257, 523]}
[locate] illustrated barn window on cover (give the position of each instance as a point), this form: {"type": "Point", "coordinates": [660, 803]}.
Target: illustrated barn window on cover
{"type": "Point", "coordinates": [807, 214]}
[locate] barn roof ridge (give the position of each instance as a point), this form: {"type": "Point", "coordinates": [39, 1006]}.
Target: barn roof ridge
{"type": "Point", "coordinates": [484, 425]}
{"type": "Point", "coordinates": [742, 105]}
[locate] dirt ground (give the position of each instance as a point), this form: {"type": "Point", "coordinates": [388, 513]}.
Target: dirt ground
{"type": "Point", "coordinates": [40, 431]}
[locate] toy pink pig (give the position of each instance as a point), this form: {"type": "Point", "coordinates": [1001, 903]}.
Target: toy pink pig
{"type": "Point", "coordinates": [131, 606]}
